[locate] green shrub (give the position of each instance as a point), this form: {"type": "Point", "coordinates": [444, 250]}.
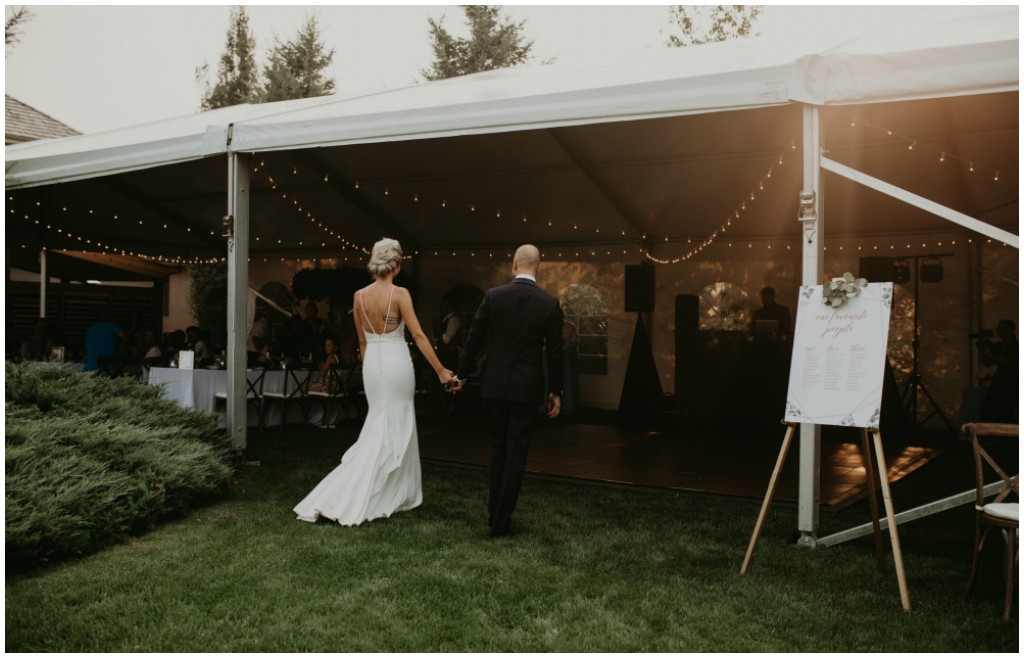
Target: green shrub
{"type": "Point", "coordinates": [90, 461]}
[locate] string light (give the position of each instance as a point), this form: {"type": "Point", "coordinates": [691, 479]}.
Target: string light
{"type": "Point", "coordinates": [913, 143]}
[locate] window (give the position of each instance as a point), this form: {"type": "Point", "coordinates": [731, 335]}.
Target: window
{"type": "Point", "coordinates": [725, 306]}
{"type": "Point", "coordinates": [465, 299]}
{"type": "Point", "coordinates": [585, 309]}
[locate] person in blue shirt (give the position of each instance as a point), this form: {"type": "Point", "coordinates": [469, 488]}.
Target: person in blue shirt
{"type": "Point", "coordinates": [101, 340]}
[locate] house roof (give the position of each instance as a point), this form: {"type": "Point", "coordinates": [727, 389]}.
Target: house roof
{"type": "Point", "coordinates": [23, 123]}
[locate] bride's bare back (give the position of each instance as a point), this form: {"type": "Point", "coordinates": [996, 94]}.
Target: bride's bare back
{"type": "Point", "coordinates": [379, 307]}
{"type": "Point", "coordinates": [383, 306]}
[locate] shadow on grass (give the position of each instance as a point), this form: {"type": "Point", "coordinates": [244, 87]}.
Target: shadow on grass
{"type": "Point", "coordinates": [591, 569]}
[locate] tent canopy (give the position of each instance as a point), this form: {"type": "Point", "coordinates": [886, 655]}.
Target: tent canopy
{"type": "Point", "coordinates": [670, 147]}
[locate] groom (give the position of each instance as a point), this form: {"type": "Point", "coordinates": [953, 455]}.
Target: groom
{"type": "Point", "coordinates": [524, 324]}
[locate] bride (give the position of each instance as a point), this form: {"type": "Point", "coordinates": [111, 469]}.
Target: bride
{"type": "Point", "coordinates": [380, 473]}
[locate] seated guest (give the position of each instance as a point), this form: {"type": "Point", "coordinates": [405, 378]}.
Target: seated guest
{"type": "Point", "coordinates": [320, 381]}
{"type": "Point", "coordinates": [259, 334]}
{"type": "Point", "coordinates": [100, 340]}
{"type": "Point", "coordinates": [37, 348]}
{"type": "Point", "coordinates": [153, 350]}
{"type": "Point", "coordinates": [202, 346]}
{"type": "Point", "coordinates": [771, 311]}
{"type": "Point", "coordinates": [191, 338]}
{"type": "Point", "coordinates": [346, 338]}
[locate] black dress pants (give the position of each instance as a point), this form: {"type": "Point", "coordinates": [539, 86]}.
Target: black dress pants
{"type": "Point", "coordinates": [511, 430]}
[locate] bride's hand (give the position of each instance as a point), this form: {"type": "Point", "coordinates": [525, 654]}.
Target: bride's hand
{"type": "Point", "coordinates": [446, 376]}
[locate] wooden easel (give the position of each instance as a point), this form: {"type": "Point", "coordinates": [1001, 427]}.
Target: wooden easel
{"type": "Point", "coordinates": [901, 577]}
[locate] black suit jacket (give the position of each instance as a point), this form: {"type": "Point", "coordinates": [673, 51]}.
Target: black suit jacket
{"type": "Point", "coordinates": [521, 320]}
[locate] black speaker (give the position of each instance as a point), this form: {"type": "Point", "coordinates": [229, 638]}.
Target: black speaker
{"type": "Point", "coordinates": [687, 313]}
{"type": "Point", "coordinates": [640, 288]}
{"type": "Point", "coordinates": [931, 271]}
{"type": "Point", "coordinates": [877, 269]}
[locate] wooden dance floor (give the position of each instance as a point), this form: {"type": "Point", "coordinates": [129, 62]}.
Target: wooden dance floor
{"type": "Point", "coordinates": [699, 463]}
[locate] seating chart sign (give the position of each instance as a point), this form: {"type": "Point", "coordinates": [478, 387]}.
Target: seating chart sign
{"type": "Point", "coordinates": [839, 358]}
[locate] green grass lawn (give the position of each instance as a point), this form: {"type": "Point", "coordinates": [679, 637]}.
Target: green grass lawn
{"type": "Point", "coordinates": [591, 569]}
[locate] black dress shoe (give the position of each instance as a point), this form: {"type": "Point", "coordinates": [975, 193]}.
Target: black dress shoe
{"type": "Point", "coordinates": [505, 533]}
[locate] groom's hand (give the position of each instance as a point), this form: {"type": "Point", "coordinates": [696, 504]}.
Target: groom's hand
{"type": "Point", "coordinates": [455, 385]}
{"type": "Point", "coordinates": [554, 406]}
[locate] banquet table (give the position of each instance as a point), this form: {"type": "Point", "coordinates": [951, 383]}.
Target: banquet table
{"type": "Point", "coordinates": [197, 389]}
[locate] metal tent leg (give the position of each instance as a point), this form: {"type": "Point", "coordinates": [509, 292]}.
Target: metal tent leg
{"type": "Point", "coordinates": [237, 230]}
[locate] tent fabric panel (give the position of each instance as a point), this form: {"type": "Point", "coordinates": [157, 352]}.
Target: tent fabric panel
{"type": "Point", "coordinates": [739, 90]}
{"type": "Point", "coordinates": [68, 167]}
{"type": "Point", "coordinates": [846, 79]}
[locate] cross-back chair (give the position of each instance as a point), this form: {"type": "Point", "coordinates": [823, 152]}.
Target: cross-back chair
{"type": "Point", "coordinates": [253, 393]}
{"type": "Point", "coordinates": [996, 514]}
{"type": "Point", "coordinates": [296, 385]}
{"type": "Point", "coordinates": [337, 391]}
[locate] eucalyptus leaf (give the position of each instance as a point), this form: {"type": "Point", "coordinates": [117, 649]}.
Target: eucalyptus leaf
{"type": "Point", "coordinates": [861, 283]}
{"type": "Point", "coordinates": [847, 276]}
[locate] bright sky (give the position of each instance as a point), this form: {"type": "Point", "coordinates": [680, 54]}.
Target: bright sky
{"type": "Point", "coordinates": [100, 68]}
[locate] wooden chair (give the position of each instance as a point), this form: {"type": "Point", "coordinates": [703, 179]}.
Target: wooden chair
{"type": "Point", "coordinates": [253, 394]}
{"type": "Point", "coordinates": [996, 514]}
{"type": "Point", "coordinates": [296, 383]}
{"type": "Point", "coordinates": [337, 389]}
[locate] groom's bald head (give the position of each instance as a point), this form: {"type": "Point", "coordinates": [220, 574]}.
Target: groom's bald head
{"type": "Point", "coordinates": [527, 260]}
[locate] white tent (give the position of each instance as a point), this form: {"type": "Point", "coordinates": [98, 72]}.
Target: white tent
{"type": "Point", "coordinates": [648, 156]}
{"type": "Point", "coordinates": [938, 52]}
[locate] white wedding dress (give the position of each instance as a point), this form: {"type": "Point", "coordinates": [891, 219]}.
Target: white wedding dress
{"type": "Point", "coordinates": [380, 474]}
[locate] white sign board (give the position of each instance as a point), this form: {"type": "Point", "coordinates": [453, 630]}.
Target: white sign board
{"type": "Point", "coordinates": [839, 358]}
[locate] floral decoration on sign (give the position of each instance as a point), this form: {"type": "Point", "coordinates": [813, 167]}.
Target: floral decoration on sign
{"type": "Point", "coordinates": [873, 421]}
{"type": "Point", "coordinates": [887, 295]}
{"type": "Point", "coordinates": [838, 291]}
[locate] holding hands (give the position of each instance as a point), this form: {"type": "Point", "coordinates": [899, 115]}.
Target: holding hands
{"type": "Point", "coordinates": [447, 377]}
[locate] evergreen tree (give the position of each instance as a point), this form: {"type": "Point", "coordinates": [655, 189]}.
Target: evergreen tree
{"type": "Point", "coordinates": [237, 76]}
{"type": "Point", "coordinates": [494, 43]}
{"type": "Point", "coordinates": [702, 24]}
{"type": "Point", "coordinates": [12, 26]}
{"type": "Point", "coordinates": [297, 67]}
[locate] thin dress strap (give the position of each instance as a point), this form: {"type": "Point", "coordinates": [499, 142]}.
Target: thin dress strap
{"type": "Point", "coordinates": [362, 303]}
{"type": "Point", "coordinates": [388, 314]}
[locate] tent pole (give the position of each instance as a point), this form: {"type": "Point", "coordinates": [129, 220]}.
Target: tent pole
{"type": "Point", "coordinates": [42, 282]}
{"type": "Point", "coordinates": [811, 217]}
{"type": "Point", "coordinates": [237, 229]}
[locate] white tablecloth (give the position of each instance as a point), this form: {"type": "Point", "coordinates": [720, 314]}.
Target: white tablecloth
{"type": "Point", "coordinates": [197, 389]}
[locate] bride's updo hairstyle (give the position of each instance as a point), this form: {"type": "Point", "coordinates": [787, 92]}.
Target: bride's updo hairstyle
{"type": "Point", "coordinates": [386, 257]}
